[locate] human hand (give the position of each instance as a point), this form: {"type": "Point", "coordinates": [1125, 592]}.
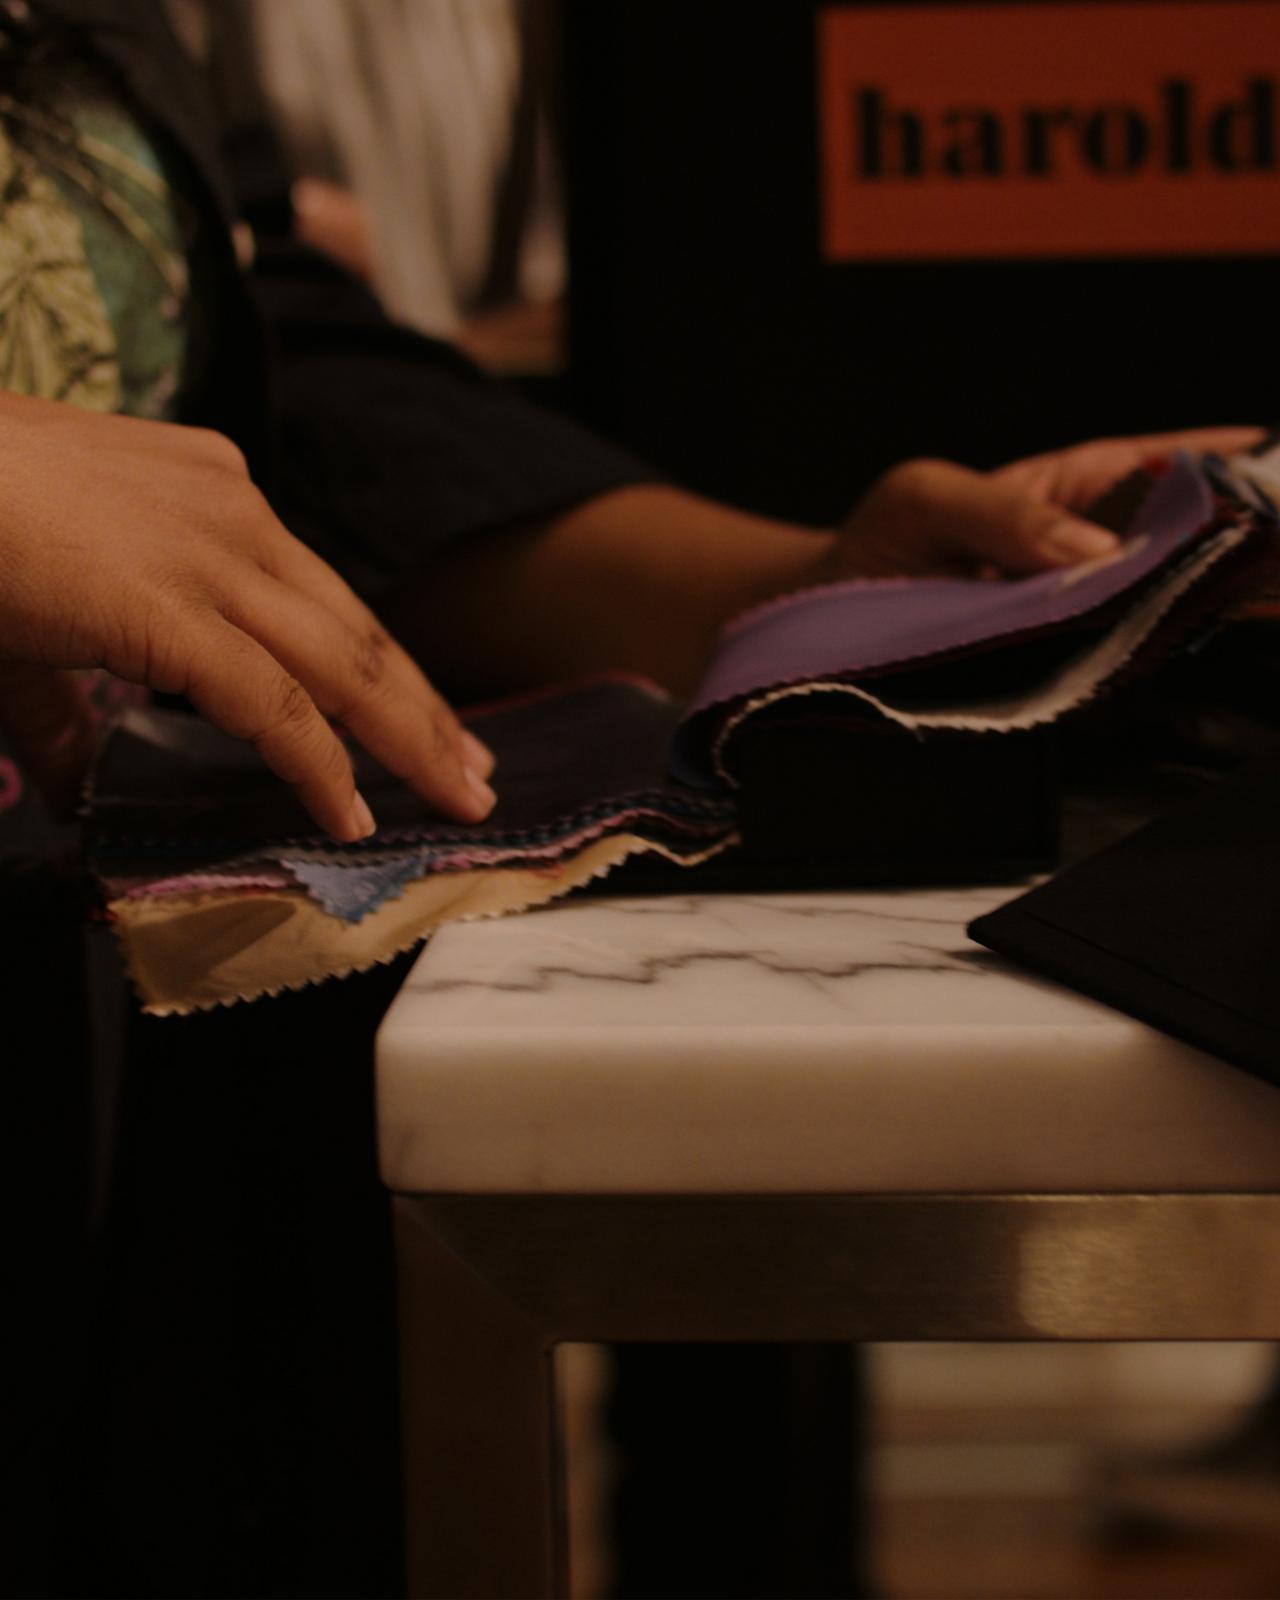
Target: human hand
{"type": "Point", "coordinates": [144, 548]}
{"type": "Point", "coordinates": [936, 517]}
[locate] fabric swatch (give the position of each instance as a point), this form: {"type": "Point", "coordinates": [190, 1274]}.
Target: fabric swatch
{"type": "Point", "coordinates": [221, 888]}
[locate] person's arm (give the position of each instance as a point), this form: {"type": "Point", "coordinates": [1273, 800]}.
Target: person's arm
{"type": "Point", "coordinates": [508, 546]}
{"type": "Point", "coordinates": [144, 548]}
{"type": "Point", "coordinates": [643, 578]}
{"type": "Point", "coordinates": [391, 449]}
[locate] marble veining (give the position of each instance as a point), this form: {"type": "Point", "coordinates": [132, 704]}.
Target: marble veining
{"type": "Point", "coordinates": [842, 1042]}
{"type": "Point", "coordinates": [802, 957]}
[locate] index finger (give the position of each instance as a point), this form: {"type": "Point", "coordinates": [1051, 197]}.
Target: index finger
{"type": "Point", "coordinates": [240, 687]}
{"type": "Point", "coordinates": [299, 568]}
{"type": "Point", "coordinates": [1219, 441]}
{"type": "Point", "coordinates": [366, 682]}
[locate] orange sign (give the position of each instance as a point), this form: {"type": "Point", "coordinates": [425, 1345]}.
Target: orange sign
{"type": "Point", "coordinates": [1145, 128]}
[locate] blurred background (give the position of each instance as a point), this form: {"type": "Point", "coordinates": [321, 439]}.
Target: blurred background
{"type": "Point", "coordinates": [650, 211]}
{"type": "Point", "coordinates": [1026, 1472]}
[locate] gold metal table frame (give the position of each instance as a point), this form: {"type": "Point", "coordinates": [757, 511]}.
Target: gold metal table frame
{"type": "Point", "coordinates": [491, 1284]}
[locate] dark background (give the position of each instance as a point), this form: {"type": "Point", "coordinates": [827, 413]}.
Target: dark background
{"type": "Point", "coordinates": [706, 332]}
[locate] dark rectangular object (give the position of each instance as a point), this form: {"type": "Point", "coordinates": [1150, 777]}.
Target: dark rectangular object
{"type": "Point", "coordinates": [889, 807]}
{"type": "Point", "coordinates": [1177, 925]}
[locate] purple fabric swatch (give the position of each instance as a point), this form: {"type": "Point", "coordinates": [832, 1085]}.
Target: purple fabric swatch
{"type": "Point", "coordinates": [871, 625]}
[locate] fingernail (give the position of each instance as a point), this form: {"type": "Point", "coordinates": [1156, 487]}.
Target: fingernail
{"type": "Point", "coordinates": [1080, 541]}
{"type": "Point", "coordinates": [362, 817]}
{"type": "Point", "coordinates": [483, 793]}
{"type": "Point", "coordinates": [477, 755]}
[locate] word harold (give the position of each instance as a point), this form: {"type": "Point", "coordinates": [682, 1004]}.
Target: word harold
{"type": "Point", "coordinates": [1180, 133]}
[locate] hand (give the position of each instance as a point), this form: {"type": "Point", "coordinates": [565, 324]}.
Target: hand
{"type": "Point", "coordinates": [937, 517]}
{"type": "Point", "coordinates": [144, 548]}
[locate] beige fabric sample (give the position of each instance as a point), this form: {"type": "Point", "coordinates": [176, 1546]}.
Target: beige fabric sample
{"type": "Point", "coordinates": [192, 952]}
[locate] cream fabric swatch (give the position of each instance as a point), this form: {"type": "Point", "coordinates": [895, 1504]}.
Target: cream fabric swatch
{"type": "Point", "coordinates": [192, 952]}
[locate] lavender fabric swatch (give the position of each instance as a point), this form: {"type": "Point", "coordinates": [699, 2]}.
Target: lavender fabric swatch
{"type": "Point", "coordinates": [868, 626]}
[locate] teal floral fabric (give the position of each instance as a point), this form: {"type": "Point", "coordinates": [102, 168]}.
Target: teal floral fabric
{"type": "Point", "coordinates": [93, 265]}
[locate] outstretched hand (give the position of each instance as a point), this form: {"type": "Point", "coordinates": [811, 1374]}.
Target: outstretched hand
{"type": "Point", "coordinates": [936, 517]}
{"type": "Point", "coordinates": [144, 548]}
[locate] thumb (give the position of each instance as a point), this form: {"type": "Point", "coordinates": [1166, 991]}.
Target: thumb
{"type": "Point", "coordinates": [1037, 537]}
{"type": "Point", "coordinates": [981, 519]}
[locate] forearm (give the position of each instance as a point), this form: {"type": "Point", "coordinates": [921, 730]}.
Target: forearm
{"type": "Point", "coordinates": [640, 579]}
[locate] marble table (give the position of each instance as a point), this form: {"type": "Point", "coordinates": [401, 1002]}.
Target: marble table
{"type": "Point", "coordinates": [786, 1117]}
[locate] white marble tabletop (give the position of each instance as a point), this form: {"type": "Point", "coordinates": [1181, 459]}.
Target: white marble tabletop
{"type": "Point", "coordinates": [790, 1043]}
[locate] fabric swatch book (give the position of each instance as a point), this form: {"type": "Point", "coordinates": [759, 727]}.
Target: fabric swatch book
{"type": "Point", "coordinates": [889, 730]}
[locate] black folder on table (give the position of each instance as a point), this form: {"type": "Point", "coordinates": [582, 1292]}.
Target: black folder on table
{"type": "Point", "coordinates": [1177, 925]}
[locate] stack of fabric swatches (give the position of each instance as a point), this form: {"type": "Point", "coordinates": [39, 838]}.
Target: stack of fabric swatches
{"type": "Point", "coordinates": [220, 889]}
